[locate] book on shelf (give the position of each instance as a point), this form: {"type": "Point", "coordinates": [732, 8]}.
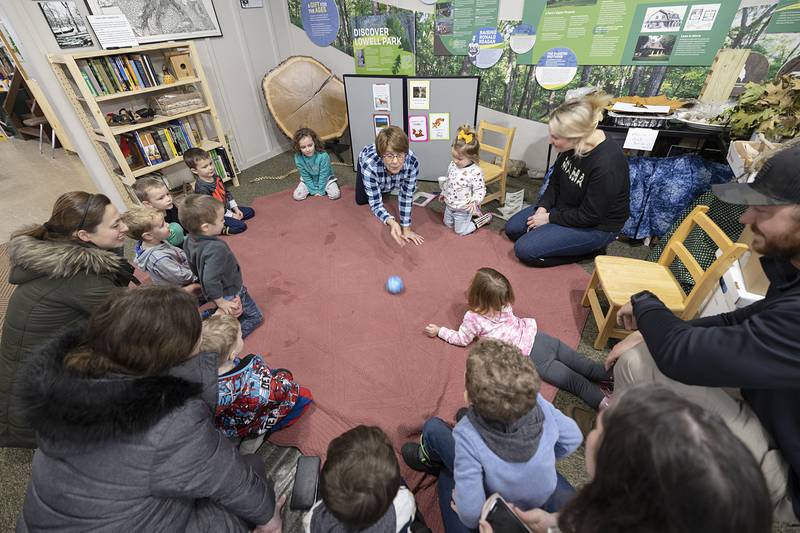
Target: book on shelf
{"type": "Point", "coordinates": [118, 73]}
{"type": "Point", "coordinates": [157, 144]}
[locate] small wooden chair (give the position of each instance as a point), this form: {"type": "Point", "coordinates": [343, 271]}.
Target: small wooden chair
{"type": "Point", "coordinates": [619, 278]}
{"type": "Point", "coordinates": [491, 172]}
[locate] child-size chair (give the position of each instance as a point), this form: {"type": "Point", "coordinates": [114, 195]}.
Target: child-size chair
{"type": "Point", "coordinates": [619, 278]}
{"type": "Point", "coordinates": [493, 173]}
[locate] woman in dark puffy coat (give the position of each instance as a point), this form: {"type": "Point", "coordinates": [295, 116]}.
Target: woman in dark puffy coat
{"type": "Point", "coordinates": [122, 408]}
{"type": "Point", "coordinates": [62, 270]}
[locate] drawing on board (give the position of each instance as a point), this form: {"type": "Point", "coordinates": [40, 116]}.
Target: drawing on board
{"type": "Point", "coordinates": [163, 20]}
{"type": "Point", "coordinates": [664, 18]}
{"type": "Point", "coordinates": [67, 24]}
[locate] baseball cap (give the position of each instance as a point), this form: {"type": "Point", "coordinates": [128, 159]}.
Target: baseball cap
{"type": "Point", "coordinates": [777, 183]}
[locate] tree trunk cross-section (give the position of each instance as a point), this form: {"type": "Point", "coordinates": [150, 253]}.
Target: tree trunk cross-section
{"type": "Point", "coordinates": [302, 92]}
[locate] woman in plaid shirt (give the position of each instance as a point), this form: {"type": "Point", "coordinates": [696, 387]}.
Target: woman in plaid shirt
{"type": "Point", "coordinates": [385, 166]}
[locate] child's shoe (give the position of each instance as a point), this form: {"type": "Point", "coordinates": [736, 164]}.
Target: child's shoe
{"type": "Point", "coordinates": [482, 220]}
{"type": "Point", "coordinates": [417, 458]}
{"type": "Point", "coordinates": [607, 386]}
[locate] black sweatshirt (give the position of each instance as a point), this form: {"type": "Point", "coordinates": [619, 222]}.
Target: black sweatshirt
{"type": "Point", "coordinates": [592, 191]}
{"type": "Point", "coordinates": [756, 348]}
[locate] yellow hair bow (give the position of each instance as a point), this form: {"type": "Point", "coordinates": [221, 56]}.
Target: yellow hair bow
{"type": "Point", "coordinates": [466, 137]}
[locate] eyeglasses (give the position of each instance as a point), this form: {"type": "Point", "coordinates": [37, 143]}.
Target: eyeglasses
{"type": "Point", "coordinates": [394, 157]}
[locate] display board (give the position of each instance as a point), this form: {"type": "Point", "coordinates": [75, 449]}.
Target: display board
{"type": "Point", "coordinates": [369, 98]}
{"type": "Point", "coordinates": [458, 21]}
{"type": "Point", "coordinates": [634, 32]}
{"type": "Point", "coordinates": [428, 109]}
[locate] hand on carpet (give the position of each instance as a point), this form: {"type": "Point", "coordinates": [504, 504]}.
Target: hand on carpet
{"type": "Point", "coordinates": [411, 236]}
{"type": "Point", "coordinates": [396, 231]}
{"type": "Point", "coordinates": [275, 524]}
{"type": "Point", "coordinates": [625, 317]}
{"type": "Point", "coordinates": [632, 340]}
{"type": "Point", "coordinates": [432, 330]}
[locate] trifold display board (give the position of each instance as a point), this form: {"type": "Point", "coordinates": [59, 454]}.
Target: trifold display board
{"type": "Point", "coordinates": [429, 110]}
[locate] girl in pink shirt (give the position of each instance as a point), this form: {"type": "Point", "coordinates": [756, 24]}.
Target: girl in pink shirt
{"type": "Point", "coordinates": [490, 315]}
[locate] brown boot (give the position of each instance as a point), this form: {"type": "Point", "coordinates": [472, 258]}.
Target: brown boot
{"type": "Point", "coordinates": [585, 418]}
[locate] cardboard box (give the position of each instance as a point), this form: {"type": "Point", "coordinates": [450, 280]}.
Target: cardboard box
{"type": "Point", "coordinates": [732, 293]}
{"type": "Point", "coordinates": [753, 275]}
{"type": "Point", "coordinates": [742, 155]}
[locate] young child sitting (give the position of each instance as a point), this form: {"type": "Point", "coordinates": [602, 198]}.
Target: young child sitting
{"type": "Point", "coordinates": [463, 189]}
{"type": "Point", "coordinates": [166, 264]}
{"type": "Point", "coordinates": [314, 165]}
{"type": "Point", "coordinates": [508, 440]}
{"type": "Point", "coordinates": [152, 192]}
{"type": "Point", "coordinates": [213, 262]}
{"type": "Point", "coordinates": [489, 300]}
{"type": "Point", "coordinates": [361, 487]}
{"type": "Point", "coordinates": [207, 182]}
{"type": "Point", "coordinates": [253, 398]}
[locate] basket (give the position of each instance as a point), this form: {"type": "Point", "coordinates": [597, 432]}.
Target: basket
{"type": "Point", "coordinates": [169, 104]}
{"type": "Point", "coordinates": [639, 121]}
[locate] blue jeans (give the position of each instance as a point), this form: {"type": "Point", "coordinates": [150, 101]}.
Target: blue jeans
{"type": "Point", "coordinates": [251, 316]}
{"type": "Point", "coordinates": [234, 225]}
{"type": "Point", "coordinates": [552, 244]}
{"type": "Point", "coordinates": [437, 436]}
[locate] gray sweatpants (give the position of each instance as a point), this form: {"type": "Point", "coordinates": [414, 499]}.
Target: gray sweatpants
{"type": "Point", "coordinates": [460, 221]}
{"type": "Point", "coordinates": [567, 369]}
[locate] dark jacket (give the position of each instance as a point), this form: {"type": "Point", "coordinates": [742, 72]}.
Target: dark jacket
{"type": "Point", "coordinates": [590, 192]}
{"type": "Point", "coordinates": [129, 453]}
{"type": "Point", "coordinates": [214, 264]}
{"type": "Point", "coordinates": [58, 284]}
{"type": "Point", "coordinates": [756, 349]}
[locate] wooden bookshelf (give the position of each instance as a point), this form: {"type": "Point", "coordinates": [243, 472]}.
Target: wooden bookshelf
{"type": "Point", "coordinates": [93, 97]}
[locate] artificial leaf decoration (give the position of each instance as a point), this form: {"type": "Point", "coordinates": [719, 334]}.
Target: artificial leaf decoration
{"type": "Point", "coordinates": [772, 108]}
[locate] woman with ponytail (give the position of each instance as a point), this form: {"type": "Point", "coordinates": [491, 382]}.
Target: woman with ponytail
{"type": "Point", "coordinates": [62, 270]}
{"type": "Point", "coordinates": [587, 201]}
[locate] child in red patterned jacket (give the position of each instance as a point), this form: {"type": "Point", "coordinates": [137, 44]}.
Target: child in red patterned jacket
{"type": "Point", "coordinates": [253, 398]}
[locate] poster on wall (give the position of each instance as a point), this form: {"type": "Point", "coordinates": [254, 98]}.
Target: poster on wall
{"type": "Point", "coordinates": [384, 44]}
{"type": "Point", "coordinates": [320, 20]}
{"type": "Point", "coordinates": [785, 18]}
{"type": "Point", "coordinates": [163, 20]}
{"type": "Point", "coordinates": [635, 32]}
{"type": "Point", "coordinates": [439, 126]}
{"type": "Point", "coordinates": [556, 68]}
{"type": "Point", "coordinates": [486, 47]}
{"type": "Point", "coordinates": [531, 14]}
{"type": "Point", "coordinates": [379, 122]}
{"type": "Point", "coordinates": [418, 128]}
{"type": "Point", "coordinates": [456, 22]}
{"type": "Point", "coordinates": [381, 97]}
{"type": "Point", "coordinates": [67, 24]}
{"type": "Point", "coordinates": [419, 94]}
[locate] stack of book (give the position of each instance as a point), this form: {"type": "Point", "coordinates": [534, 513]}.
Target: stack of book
{"type": "Point", "coordinates": [221, 163]}
{"type": "Point", "coordinates": [158, 144]}
{"type": "Point", "coordinates": [118, 73]}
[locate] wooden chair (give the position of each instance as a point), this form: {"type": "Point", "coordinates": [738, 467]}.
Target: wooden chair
{"type": "Point", "coordinates": [619, 278]}
{"type": "Point", "coordinates": [493, 173]}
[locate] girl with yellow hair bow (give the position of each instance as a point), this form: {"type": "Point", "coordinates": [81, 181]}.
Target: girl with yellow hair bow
{"type": "Point", "coordinates": [463, 189]}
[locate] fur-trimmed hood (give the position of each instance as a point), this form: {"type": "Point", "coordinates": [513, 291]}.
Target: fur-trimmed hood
{"type": "Point", "coordinates": [32, 258]}
{"type": "Point", "coordinates": [70, 408]}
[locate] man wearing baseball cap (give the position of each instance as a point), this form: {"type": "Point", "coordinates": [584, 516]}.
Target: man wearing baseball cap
{"type": "Point", "coordinates": [744, 365]}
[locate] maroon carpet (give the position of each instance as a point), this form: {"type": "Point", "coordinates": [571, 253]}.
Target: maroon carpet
{"type": "Point", "coordinates": [317, 269]}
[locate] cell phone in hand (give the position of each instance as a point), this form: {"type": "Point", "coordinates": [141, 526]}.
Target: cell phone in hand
{"type": "Point", "coordinates": [306, 481]}
{"type": "Point", "coordinates": [500, 516]}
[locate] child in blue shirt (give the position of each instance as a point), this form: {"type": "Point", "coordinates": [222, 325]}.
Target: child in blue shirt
{"type": "Point", "coordinates": [314, 165]}
{"type": "Point", "coordinates": [507, 441]}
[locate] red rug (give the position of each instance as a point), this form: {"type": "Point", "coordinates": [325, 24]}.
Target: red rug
{"type": "Point", "coordinates": [317, 270]}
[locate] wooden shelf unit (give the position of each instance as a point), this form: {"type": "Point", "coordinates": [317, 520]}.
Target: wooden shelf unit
{"type": "Point", "coordinates": [106, 137]}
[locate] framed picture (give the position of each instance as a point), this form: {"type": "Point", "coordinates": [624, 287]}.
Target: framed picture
{"type": "Point", "coordinates": [67, 24]}
{"type": "Point", "coordinates": [163, 20]}
{"type": "Point", "coordinates": [380, 122]}
{"type": "Point", "coordinates": [418, 128]}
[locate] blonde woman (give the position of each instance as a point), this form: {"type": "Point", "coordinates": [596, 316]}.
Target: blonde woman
{"type": "Point", "coordinates": [587, 201]}
{"type": "Point", "coordinates": [388, 165]}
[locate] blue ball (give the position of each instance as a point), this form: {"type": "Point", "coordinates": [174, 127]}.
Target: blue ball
{"type": "Point", "coordinates": [394, 285]}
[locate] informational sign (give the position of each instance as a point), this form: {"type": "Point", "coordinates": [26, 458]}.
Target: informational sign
{"type": "Point", "coordinates": [785, 18]}
{"type": "Point", "coordinates": [419, 94]}
{"type": "Point", "coordinates": [320, 21]}
{"type": "Point", "coordinates": [633, 32]}
{"type": "Point", "coordinates": [418, 128]}
{"type": "Point", "coordinates": [556, 68]}
{"type": "Point", "coordinates": [486, 47]}
{"type": "Point", "coordinates": [456, 22]}
{"type": "Point", "coordinates": [113, 31]}
{"type": "Point", "coordinates": [640, 139]}
{"type": "Point", "coordinates": [381, 97]}
{"type": "Point", "coordinates": [439, 126]}
{"type": "Point", "coordinates": [531, 15]}
{"type": "Point", "coordinates": [522, 38]}
{"type": "Point", "coordinates": [384, 44]}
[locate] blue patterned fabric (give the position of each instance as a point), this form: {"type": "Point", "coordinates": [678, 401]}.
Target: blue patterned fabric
{"type": "Point", "coordinates": [662, 187]}
{"type": "Point", "coordinates": [377, 180]}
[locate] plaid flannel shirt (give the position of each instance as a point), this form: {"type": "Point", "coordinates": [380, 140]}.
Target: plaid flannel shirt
{"type": "Point", "coordinates": [377, 180]}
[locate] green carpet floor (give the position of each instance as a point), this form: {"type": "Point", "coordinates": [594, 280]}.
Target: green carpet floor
{"type": "Point", "coordinates": [15, 463]}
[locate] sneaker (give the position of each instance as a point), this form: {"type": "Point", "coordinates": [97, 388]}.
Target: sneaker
{"type": "Point", "coordinates": [482, 220]}
{"type": "Point", "coordinates": [607, 386]}
{"type": "Point", "coordinates": [585, 418]}
{"type": "Point", "coordinates": [417, 458]}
